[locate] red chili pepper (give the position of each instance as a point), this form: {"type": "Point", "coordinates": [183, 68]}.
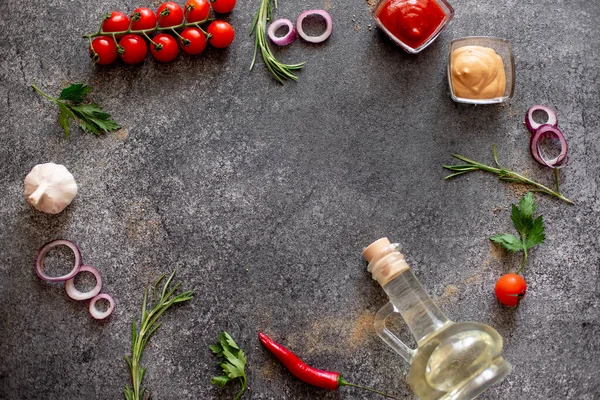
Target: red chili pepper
{"type": "Point", "coordinates": [316, 377]}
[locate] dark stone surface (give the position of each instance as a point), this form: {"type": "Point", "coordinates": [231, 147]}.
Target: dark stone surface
{"type": "Point", "coordinates": [263, 197]}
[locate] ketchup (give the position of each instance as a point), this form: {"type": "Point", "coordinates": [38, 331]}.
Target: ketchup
{"type": "Point", "coordinates": [411, 21]}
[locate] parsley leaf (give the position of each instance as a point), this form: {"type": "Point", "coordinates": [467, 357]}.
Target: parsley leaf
{"type": "Point", "coordinates": [90, 117]}
{"type": "Point", "coordinates": [75, 93]}
{"type": "Point", "coordinates": [232, 362]}
{"type": "Point", "coordinates": [508, 241]}
{"type": "Point", "coordinates": [536, 234]}
{"type": "Point", "coordinates": [531, 231]}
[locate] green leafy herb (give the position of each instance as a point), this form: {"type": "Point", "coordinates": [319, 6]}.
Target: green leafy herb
{"type": "Point", "coordinates": [90, 117]}
{"type": "Point", "coordinates": [148, 325]}
{"type": "Point", "coordinates": [531, 231]}
{"type": "Point", "coordinates": [232, 360]}
{"type": "Point", "coordinates": [503, 174]}
{"type": "Point", "coordinates": [258, 28]}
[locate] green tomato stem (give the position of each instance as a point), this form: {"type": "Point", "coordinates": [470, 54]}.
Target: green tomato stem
{"type": "Point", "coordinates": [145, 32]}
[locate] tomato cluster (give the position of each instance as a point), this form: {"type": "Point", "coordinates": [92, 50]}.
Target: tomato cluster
{"type": "Point", "coordinates": [125, 37]}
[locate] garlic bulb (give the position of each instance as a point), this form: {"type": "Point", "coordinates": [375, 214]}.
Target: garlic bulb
{"type": "Point", "coordinates": [50, 187]}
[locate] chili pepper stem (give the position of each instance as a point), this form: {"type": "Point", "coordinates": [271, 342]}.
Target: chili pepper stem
{"type": "Point", "coordinates": [342, 382]}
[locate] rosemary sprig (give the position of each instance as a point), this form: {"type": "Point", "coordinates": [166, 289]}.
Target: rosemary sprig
{"type": "Point", "coordinates": [258, 28]}
{"type": "Point", "coordinates": [148, 325]}
{"type": "Point", "coordinates": [503, 174]}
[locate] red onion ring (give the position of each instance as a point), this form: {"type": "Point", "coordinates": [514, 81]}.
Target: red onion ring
{"type": "Point", "coordinates": [41, 255]}
{"type": "Point", "coordinates": [553, 132]}
{"type": "Point", "coordinates": [286, 39]}
{"type": "Point", "coordinates": [324, 35]}
{"type": "Point", "coordinates": [75, 294]}
{"type": "Point", "coordinates": [532, 125]}
{"type": "Point", "coordinates": [94, 312]}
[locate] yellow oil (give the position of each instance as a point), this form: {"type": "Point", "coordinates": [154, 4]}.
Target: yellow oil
{"type": "Point", "coordinates": [451, 357]}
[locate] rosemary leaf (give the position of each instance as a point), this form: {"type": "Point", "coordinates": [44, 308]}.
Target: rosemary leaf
{"type": "Point", "coordinates": [258, 28]}
{"type": "Point", "coordinates": [148, 325]}
{"type": "Point", "coordinates": [503, 174]}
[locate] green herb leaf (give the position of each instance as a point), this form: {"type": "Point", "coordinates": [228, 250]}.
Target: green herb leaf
{"type": "Point", "coordinates": [531, 231]}
{"type": "Point", "coordinates": [75, 92]}
{"type": "Point", "coordinates": [503, 174]}
{"type": "Point", "coordinates": [63, 118]}
{"type": "Point", "coordinates": [527, 205]}
{"type": "Point", "coordinates": [149, 323]}
{"type": "Point", "coordinates": [90, 117]}
{"type": "Point", "coordinates": [216, 348]}
{"type": "Point", "coordinates": [508, 241]}
{"type": "Point", "coordinates": [229, 340]}
{"type": "Point", "coordinates": [220, 381]}
{"type": "Point", "coordinates": [520, 221]}
{"type": "Point", "coordinates": [258, 28]}
{"type": "Point", "coordinates": [233, 362]}
{"type": "Point", "coordinates": [536, 234]}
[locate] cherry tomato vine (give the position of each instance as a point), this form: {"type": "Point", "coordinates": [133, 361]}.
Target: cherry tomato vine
{"type": "Point", "coordinates": [122, 36]}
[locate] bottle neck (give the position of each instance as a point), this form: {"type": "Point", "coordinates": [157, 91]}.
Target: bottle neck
{"type": "Point", "coordinates": [414, 305]}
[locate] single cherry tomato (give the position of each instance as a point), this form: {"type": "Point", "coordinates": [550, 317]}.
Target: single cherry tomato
{"type": "Point", "coordinates": [143, 18]}
{"type": "Point", "coordinates": [510, 289]}
{"type": "Point", "coordinates": [134, 49]}
{"type": "Point", "coordinates": [222, 6]}
{"type": "Point", "coordinates": [115, 22]}
{"type": "Point", "coordinates": [196, 41]}
{"type": "Point", "coordinates": [103, 50]}
{"type": "Point", "coordinates": [196, 10]}
{"type": "Point", "coordinates": [222, 34]}
{"type": "Point", "coordinates": [169, 14]}
{"type": "Point", "coordinates": [167, 50]}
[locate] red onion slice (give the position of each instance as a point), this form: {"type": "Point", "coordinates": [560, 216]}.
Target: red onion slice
{"type": "Point", "coordinates": [75, 294]}
{"type": "Point", "coordinates": [549, 131]}
{"type": "Point", "coordinates": [97, 314]}
{"type": "Point", "coordinates": [41, 255]}
{"type": "Point", "coordinates": [532, 125]}
{"type": "Point", "coordinates": [286, 39]}
{"type": "Point", "coordinates": [324, 35]}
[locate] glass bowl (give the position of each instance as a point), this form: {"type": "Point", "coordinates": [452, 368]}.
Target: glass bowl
{"type": "Point", "coordinates": [503, 48]}
{"type": "Point", "coordinates": [445, 7]}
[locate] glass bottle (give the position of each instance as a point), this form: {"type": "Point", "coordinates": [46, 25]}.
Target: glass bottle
{"type": "Point", "coordinates": [452, 361]}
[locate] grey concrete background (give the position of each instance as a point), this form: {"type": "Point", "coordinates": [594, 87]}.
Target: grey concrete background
{"type": "Point", "coordinates": [263, 197]}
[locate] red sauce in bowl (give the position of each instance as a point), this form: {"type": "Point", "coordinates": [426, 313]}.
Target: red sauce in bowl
{"type": "Point", "coordinates": [412, 22]}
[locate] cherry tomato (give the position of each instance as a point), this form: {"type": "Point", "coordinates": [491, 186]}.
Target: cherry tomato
{"type": "Point", "coordinates": [134, 49]}
{"type": "Point", "coordinates": [143, 18]}
{"type": "Point", "coordinates": [197, 41]}
{"type": "Point", "coordinates": [169, 14]}
{"type": "Point", "coordinates": [510, 289]}
{"type": "Point", "coordinates": [168, 50]}
{"type": "Point", "coordinates": [222, 34]}
{"type": "Point", "coordinates": [222, 6]}
{"type": "Point", "coordinates": [103, 50]}
{"type": "Point", "coordinates": [115, 22]}
{"type": "Point", "coordinates": [197, 10]}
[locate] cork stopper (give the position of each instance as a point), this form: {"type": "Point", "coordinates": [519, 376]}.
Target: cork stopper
{"type": "Point", "coordinates": [375, 248]}
{"type": "Point", "coordinates": [385, 261]}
